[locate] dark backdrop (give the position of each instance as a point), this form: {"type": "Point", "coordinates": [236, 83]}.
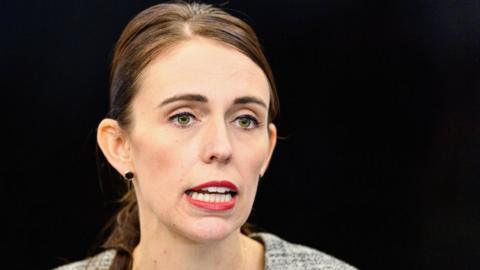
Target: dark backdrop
{"type": "Point", "coordinates": [379, 102]}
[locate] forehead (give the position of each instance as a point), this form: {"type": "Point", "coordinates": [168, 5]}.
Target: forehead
{"type": "Point", "coordinates": [206, 67]}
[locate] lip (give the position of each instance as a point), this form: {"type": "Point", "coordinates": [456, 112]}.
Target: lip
{"type": "Point", "coordinates": [214, 206]}
{"type": "Point", "coordinates": [222, 183]}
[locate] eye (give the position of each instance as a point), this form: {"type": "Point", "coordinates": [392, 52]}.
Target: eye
{"type": "Point", "coordinates": [247, 122]}
{"type": "Point", "coordinates": [182, 119]}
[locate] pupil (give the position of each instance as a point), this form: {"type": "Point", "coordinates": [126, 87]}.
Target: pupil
{"type": "Point", "coordinates": [183, 119]}
{"type": "Point", "coordinates": [244, 122]}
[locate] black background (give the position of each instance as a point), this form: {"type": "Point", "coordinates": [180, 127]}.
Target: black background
{"type": "Point", "coordinates": [379, 102]}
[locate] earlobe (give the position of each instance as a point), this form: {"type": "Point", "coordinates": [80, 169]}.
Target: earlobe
{"type": "Point", "coordinates": [272, 142]}
{"type": "Point", "coordinates": [114, 144]}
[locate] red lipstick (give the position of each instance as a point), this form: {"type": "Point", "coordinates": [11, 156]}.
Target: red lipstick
{"type": "Point", "coordinates": [224, 183]}
{"type": "Point", "coordinates": [220, 196]}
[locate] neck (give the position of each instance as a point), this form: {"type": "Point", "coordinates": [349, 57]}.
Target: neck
{"type": "Point", "coordinates": [160, 248]}
{"type": "Point", "coordinates": [227, 254]}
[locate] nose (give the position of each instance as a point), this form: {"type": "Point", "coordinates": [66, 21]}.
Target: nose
{"type": "Point", "coordinates": [217, 145]}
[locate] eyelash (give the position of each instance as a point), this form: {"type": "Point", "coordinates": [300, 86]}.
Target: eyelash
{"type": "Point", "coordinates": [256, 123]}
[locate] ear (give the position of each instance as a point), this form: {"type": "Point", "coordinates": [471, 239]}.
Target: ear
{"type": "Point", "coordinates": [272, 141]}
{"type": "Point", "coordinates": [114, 144]}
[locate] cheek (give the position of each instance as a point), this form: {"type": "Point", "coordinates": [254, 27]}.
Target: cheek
{"type": "Point", "coordinates": [160, 162]}
{"type": "Point", "coordinates": [253, 157]}
{"type": "Point", "coordinates": [250, 161]}
{"type": "Point", "coordinates": [151, 158]}
{"type": "Point", "coordinates": [157, 150]}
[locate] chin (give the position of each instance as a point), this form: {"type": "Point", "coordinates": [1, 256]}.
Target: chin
{"type": "Point", "coordinates": [211, 229]}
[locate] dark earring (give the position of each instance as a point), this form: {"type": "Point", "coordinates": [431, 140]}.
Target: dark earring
{"type": "Point", "coordinates": [128, 175]}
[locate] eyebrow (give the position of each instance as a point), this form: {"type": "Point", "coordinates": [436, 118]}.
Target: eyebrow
{"type": "Point", "coordinates": [204, 99]}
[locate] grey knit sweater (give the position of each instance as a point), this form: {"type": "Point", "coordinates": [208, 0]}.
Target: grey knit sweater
{"type": "Point", "coordinates": [279, 255]}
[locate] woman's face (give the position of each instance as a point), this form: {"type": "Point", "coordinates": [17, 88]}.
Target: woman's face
{"type": "Point", "coordinates": [210, 133]}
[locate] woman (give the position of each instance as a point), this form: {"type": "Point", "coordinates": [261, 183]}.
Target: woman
{"type": "Point", "coordinates": [190, 129]}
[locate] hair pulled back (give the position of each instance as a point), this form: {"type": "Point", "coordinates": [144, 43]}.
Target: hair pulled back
{"type": "Point", "coordinates": [147, 35]}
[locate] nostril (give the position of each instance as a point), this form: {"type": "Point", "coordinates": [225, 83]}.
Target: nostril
{"type": "Point", "coordinates": [219, 157]}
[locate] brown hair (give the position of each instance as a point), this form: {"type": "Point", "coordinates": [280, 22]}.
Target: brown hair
{"type": "Point", "coordinates": [147, 35]}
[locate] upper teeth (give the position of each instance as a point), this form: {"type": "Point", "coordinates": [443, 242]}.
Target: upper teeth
{"type": "Point", "coordinates": [217, 189]}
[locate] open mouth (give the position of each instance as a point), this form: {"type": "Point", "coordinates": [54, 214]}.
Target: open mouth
{"type": "Point", "coordinates": [212, 194]}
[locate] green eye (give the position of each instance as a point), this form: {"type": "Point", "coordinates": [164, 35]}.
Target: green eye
{"type": "Point", "coordinates": [182, 119]}
{"type": "Point", "coordinates": [245, 122]}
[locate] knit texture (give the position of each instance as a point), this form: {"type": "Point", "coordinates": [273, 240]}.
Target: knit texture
{"type": "Point", "coordinates": [101, 261]}
{"type": "Point", "coordinates": [279, 255]}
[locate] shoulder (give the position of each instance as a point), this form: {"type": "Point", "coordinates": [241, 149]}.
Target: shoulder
{"type": "Point", "coordinates": [101, 261]}
{"type": "Point", "coordinates": [281, 254]}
